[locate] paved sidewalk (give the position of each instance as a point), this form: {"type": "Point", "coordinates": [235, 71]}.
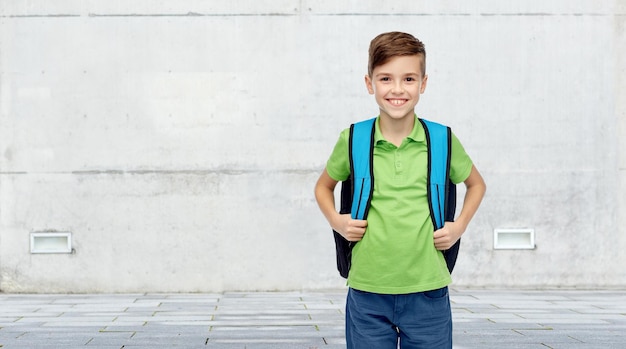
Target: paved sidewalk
{"type": "Point", "coordinates": [311, 320]}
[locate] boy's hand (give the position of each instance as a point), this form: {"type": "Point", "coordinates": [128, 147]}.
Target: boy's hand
{"type": "Point", "coordinates": [452, 231]}
{"type": "Point", "coordinates": [350, 229]}
{"type": "Point", "coordinates": [447, 236]}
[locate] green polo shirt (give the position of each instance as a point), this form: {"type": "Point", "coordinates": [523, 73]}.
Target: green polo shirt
{"type": "Point", "coordinates": [397, 254]}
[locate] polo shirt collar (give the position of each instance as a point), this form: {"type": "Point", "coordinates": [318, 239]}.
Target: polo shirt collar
{"type": "Point", "coordinates": [416, 135]}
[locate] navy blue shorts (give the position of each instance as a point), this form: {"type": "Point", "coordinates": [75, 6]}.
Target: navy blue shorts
{"type": "Point", "coordinates": [420, 320]}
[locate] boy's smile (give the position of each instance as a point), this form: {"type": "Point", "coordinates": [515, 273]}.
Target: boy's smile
{"type": "Point", "coordinates": [397, 102]}
{"type": "Point", "coordinates": [397, 86]}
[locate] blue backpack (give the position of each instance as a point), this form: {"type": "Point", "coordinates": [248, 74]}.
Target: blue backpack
{"type": "Point", "coordinates": [356, 191]}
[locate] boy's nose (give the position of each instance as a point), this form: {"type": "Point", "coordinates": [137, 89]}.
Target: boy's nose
{"type": "Point", "coordinates": [397, 88]}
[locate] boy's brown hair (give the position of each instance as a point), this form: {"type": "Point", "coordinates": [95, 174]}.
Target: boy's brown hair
{"type": "Point", "coordinates": [388, 45]}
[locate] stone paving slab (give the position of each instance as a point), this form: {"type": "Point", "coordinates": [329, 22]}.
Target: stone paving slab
{"type": "Point", "coordinates": [483, 319]}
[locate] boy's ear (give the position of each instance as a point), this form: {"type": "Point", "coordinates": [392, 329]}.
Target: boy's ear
{"type": "Point", "coordinates": [424, 81]}
{"type": "Point", "coordinates": [368, 84]}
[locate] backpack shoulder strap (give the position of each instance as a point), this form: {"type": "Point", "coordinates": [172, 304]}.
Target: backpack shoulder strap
{"type": "Point", "coordinates": [438, 138]}
{"type": "Point", "coordinates": [356, 191]}
{"type": "Point", "coordinates": [361, 150]}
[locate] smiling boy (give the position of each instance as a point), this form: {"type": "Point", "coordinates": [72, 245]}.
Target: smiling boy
{"type": "Point", "coordinates": [398, 279]}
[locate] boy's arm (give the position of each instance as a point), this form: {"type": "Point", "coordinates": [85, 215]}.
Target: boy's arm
{"type": "Point", "coordinates": [350, 229]}
{"type": "Point", "coordinates": [452, 231]}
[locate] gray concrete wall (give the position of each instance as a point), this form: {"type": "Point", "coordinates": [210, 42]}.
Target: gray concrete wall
{"type": "Point", "coordinates": [180, 141]}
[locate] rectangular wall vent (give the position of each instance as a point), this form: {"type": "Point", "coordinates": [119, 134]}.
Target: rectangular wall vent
{"type": "Point", "coordinates": [514, 239]}
{"type": "Point", "coordinates": [51, 242]}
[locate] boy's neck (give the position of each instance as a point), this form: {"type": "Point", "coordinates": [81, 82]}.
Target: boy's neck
{"type": "Point", "coordinates": [396, 130]}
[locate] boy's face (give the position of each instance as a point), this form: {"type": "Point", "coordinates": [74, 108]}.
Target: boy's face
{"type": "Point", "coordinates": [397, 86]}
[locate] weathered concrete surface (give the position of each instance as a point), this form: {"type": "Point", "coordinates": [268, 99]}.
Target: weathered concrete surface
{"type": "Point", "coordinates": [179, 142]}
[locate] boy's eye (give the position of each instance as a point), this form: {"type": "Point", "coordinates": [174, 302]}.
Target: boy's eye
{"type": "Point", "coordinates": [410, 79]}
{"type": "Point", "coordinates": [384, 78]}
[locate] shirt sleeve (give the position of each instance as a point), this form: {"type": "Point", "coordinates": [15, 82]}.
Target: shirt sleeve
{"type": "Point", "coordinates": [338, 165]}
{"type": "Point", "coordinates": [460, 163]}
